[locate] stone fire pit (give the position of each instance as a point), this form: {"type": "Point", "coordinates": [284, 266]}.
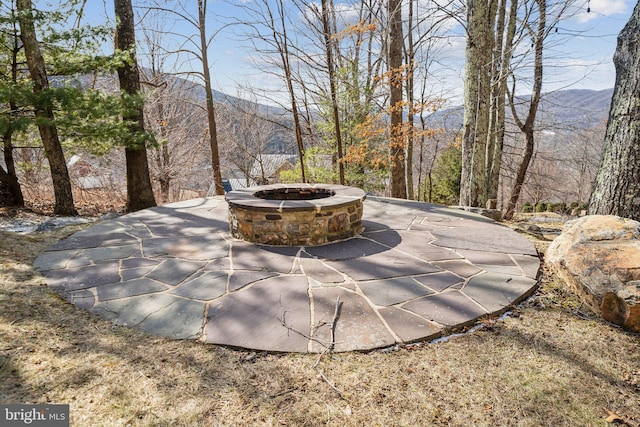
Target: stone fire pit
{"type": "Point", "coordinates": [295, 214]}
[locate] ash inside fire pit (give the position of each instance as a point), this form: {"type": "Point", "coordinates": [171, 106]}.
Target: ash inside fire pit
{"type": "Point", "coordinates": [295, 214]}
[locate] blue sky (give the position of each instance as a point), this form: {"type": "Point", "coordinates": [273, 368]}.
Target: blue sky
{"type": "Point", "coordinates": [579, 55]}
{"type": "Point", "coordinates": [586, 59]}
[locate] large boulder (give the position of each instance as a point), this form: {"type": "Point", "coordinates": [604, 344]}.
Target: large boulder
{"type": "Point", "coordinates": [598, 256]}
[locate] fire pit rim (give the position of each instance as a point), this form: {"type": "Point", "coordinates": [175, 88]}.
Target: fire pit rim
{"type": "Point", "coordinates": [246, 198]}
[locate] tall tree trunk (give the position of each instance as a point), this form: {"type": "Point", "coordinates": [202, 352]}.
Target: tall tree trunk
{"type": "Point", "coordinates": [481, 15]}
{"type": "Point", "coordinates": [397, 144]}
{"type": "Point", "coordinates": [44, 112]}
{"type": "Point", "coordinates": [521, 174]}
{"type": "Point", "coordinates": [139, 190]}
{"type": "Point", "coordinates": [528, 127]}
{"type": "Point", "coordinates": [504, 52]}
{"type": "Point", "coordinates": [332, 85]}
{"type": "Point", "coordinates": [163, 158]}
{"type": "Point", "coordinates": [496, 115]}
{"type": "Point", "coordinates": [410, 64]}
{"type": "Point", "coordinates": [10, 177]}
{"type": "Point", "coordinates": [211, 112]}
{"type": "Point", "coordinates": [285, 56]}
{"type": "Point", "coordinates": [617, 185]}
{"type": "Point", "coordinates": [421, 155]}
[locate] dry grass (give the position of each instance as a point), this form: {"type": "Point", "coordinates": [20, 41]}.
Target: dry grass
{"type": "Point", "coordinates": [549, 364]}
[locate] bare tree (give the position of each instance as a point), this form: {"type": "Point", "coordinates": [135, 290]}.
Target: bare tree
{"type": "Point", "coordinates": [582, 162]}
{"type": "Point", "coordinates": [503, 51]}
{"type": "Point", "coordinates": [344, 91]}
{"type": "Point", "coordinates": [211, 113]}
{"type": "Point", "coordinates": [423, 43]}
{"type": "Point", "coordinates": [269, 35]}
{"type": "Point", "coordinates": [180, 129]}
{"type": "Point", "coordinates": [527, 126]}
{"type": "Point", "coordinates": [544, 17]}
{"type": "Point", "coordinates": [157, 106]}
{"type": "Point", "coordinates": [410, 65]}
{"type": "Point", "coordinates": [327, 8]}
{"type": "Point", "coordinates": [246, 131]}
{"type": "Point", "coordinates": [491, 43]}
{"type": "Point", "coordinates": [196, 46]}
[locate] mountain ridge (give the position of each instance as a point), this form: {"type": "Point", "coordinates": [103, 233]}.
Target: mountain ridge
{"type": "Point", "coordinates": [558, 110]}
{"type": "Point", "coordinates": [576, 108]}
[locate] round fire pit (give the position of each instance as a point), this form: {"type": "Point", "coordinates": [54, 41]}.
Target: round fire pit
{"type": "Point", "coordinates": [295, 214]}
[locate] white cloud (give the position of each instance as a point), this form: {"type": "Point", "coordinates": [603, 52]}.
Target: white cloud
{"type": "Point", "coordinates": [346, 14]}
{"type": "Point", "coordinates": [599, 8]}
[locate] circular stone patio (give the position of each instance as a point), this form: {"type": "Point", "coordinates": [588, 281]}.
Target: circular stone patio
{"type": "Point", "coordinates": [416, 272]}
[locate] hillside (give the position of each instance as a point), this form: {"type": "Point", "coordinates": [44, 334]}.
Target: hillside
{"type": "Point", "coordinates": [571, 108]}
{"type": "Point", "coordinates": [575, 108]}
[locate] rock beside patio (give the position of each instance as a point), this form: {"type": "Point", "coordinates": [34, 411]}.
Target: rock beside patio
{"type": "Point", "coordinates": [598, 256]}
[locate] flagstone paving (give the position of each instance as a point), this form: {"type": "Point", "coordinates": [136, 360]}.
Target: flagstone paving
{"type": "Point", "coordinates": [417, 271]}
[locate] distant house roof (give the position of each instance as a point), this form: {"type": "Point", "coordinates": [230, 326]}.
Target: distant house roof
{"type": "Point", "coordinates": [91, 182]}
{"type": "Point", "coordinates": [229, 184]}
{"type": "Point", "coordinates": [266, 166]}
{"type": "Point", "coordinates": [87, 174]}
{"type": "Point", "coordinates": [265, 170]}
{"type": "Point", "coordinates": [237, 183]}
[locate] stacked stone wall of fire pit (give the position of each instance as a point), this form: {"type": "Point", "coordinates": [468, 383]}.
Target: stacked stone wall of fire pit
{"type": "Point", "coordinates": [295, 214]}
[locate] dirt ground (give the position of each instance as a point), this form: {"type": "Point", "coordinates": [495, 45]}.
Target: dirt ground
{"type": "Point", "coordinates": [548, 363]}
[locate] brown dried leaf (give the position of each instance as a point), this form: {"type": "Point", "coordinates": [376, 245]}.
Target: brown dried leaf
{"type": "Point", "coordinates": [614, 418]}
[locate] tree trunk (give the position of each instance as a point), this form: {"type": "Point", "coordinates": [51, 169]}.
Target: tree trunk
{"type": "Point", "coordinates": [163, 163]}
{"type": "Point", "coordinates": [139, 190]}
{"type": "Point", "coordinates": [211, 112]}
{"type": "Point", "coordinates": [421, 155]}
{"type": "Point", "coordinates": [516, 189]}
{"type": "Point", "coordinates": [13, 191]}
{"type": "Point", "coordinates": [496, 115]}
{"type": "Point", "coordinates": [9, 178]}
{"type": "Point", "coordinates": [283, 46]}
{"type": "Point", "coordinates": [332, 86]}
{"type": "Point", "coordinates": [617, 185]}
{"type": "Point", "coordinates": [397, 143]}
{"type": "Point", "coordinates": [410, 64]}
{"type": "Point", "coordinates": [504, 48]}
{"type": "Point", "coordinates": [528, 126]}
{"type": "Point", "coordinates": [480, 38]}
{"type": "Point", "coordinates": [44, 112]}
{"type": "Point", "coordinates": [163, 156]}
